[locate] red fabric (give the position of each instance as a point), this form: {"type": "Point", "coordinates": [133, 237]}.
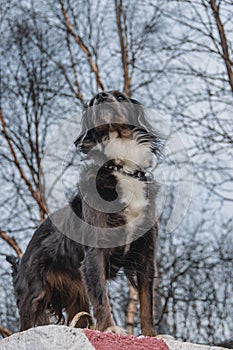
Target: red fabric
{"type": "Point", "coordinates": [111, 341]}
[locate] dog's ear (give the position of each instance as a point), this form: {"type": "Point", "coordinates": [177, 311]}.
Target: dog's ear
{"type": "Point", "coordinates": [85, 141]}
{"type": "Point", "coordinates": [138, 114]}
{"type": "Point", "coordinates": [89, 139]}
{"type": "Point", "coordinates": [157, 145]}
{"type": "Point", "coordinates": [78, 142]}
{"type": "Point", "coordinates": [157, 141]}
{"type": "Point", "coordinates": [135, 102]}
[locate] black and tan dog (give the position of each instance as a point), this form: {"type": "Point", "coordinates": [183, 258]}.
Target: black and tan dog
{"type": "Point", "coordinates": [67, 275]}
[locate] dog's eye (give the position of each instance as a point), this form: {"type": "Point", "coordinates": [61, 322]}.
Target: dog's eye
{"type": "Point", "coordinates": [120, 98]}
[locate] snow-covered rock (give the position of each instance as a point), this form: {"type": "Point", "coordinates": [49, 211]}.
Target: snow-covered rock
{"type": "Point", "coordinates": [47, 338]}
{"type": "Point", "coordinates": [54, 337]}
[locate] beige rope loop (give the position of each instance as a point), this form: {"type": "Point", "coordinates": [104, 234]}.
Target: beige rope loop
{"type": "Point", "coordinates": [79, 315]}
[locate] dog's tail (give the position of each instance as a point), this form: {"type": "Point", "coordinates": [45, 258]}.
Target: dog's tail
{"type": "Point", "coordinates": [14, 261]}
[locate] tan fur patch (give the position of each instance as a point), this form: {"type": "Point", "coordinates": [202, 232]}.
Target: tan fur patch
{"type": "Point", "coordinates": [63, 282]}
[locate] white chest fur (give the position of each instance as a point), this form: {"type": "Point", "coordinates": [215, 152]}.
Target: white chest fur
{"type": "Point", "coordinates": [132, 191]}
{"type": "Point", "coordinates": [129, 151]}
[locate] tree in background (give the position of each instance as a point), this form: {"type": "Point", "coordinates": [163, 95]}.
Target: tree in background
{"type": "Point", "coordinates": [174, 56]}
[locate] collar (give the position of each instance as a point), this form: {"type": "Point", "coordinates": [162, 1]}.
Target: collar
{"type": "Point", "coordinates": [137, 174]}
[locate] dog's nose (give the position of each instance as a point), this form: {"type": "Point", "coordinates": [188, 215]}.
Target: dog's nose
{"type": "Point", "coordinates": [101, 97]}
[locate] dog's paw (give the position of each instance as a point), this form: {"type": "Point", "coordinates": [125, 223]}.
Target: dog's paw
{"type": "Point", "coordinates": [116, 329]}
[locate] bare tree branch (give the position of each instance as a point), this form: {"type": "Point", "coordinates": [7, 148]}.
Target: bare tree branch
{"type": "Point", "coordinates": [79, 93]}
{"type": "Point", "coordinates": [35, 194]}
{"type": "Point", "coordinates": [223, 40]}
{"type": "Point", "coordinates": [83, 47]}
{"type": "Point", "coordinates": [12, 243]}
{"type": "Point", "coordinates": [5, 331]}
{"type": "Point", "coordinates": [124, 44]}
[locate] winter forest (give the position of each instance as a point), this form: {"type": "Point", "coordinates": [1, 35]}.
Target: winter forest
{"type": "Point", "coordinates": [176, 58]}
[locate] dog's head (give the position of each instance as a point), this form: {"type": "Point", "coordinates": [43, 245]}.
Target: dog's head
{"type": "Point", "coordinates": [111, 117]}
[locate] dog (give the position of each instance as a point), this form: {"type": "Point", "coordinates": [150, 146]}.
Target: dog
{"type": "Point", "coordinates": [59, 272]}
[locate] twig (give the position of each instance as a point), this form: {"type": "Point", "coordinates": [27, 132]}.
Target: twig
{"type": "Point", "coordinates": [12, 243]}
{"type": "Point", "coordinates": [82, 46]}
{"type": "Point", "coordinates": [223, 41]}
{"type": "Point", "coordinates": [36, 195]}
{"type": "Point", "coordinates": [5, 331]}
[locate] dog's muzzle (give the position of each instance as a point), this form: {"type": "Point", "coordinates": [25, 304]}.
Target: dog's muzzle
{"type": "Point", "coordinates": [102, 97]}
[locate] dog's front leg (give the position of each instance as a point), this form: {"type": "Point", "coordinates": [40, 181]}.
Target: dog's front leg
{"type": "Point", "coordinates": [145, 278]}
{"type": "Point", "coordinates": [95, 282]}
{"type": "Point", "coordinates": [145, 287]}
